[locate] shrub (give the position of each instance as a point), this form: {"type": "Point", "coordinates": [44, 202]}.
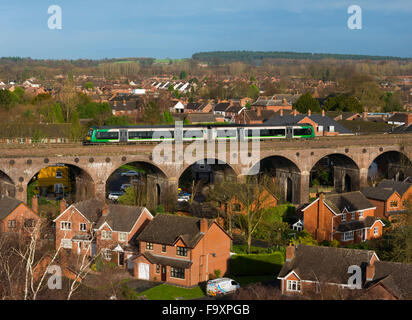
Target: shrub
{"type": "Point", "coordinates": [256, 264]}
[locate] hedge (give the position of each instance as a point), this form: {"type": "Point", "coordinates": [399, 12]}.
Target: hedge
{"type": "Point", "coordinates": [256, 264]}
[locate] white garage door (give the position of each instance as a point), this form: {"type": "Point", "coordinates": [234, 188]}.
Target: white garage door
{"type": "Point", "coordinates": [144, 273]}
{"type": "Point", "coordinates": [130, 262]}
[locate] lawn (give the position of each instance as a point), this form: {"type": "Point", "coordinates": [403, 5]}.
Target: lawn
{"type": "Point", "coordinates": [169, 292]}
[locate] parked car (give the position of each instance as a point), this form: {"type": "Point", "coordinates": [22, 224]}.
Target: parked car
{"type": "Point", "coordinates": [221, 286]}
{"type": "Point", "coordinates": [130, 173]}
{"type": "Point", "coordinates": [114, 195]}
{"type": "Point", "coordinates": [183, 197]}
{"type": "Point", "coordinates": [124, 186]}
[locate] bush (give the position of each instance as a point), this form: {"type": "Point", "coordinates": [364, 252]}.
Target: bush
{"type": "Point", "coordinates": [256, 264]}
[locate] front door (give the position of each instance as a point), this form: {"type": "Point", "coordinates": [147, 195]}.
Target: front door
{"type": "Point", "coordinates": [121, 258]}
{"type": "Point", "coordinates": [163, 273]}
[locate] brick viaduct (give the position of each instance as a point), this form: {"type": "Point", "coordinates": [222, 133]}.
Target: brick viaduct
{"type": "Point", "coordinates": [292, 161]}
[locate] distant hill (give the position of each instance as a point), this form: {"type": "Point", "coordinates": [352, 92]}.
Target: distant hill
{"type": "Point", "coordinates": [255, 56]}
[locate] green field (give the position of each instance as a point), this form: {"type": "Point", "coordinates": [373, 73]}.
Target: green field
{"type": "Point", "coordinates": [169, 292]}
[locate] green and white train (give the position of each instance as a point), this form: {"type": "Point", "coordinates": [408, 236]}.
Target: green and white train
{"type": "Point", "coordinates": [140, 134]}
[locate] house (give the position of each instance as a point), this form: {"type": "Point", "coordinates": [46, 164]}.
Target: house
{"type": "Point", "coordinates": [182, 250]}
{"type": "Point", "coordinates": [308, 269]}
{"type": "Point", "coordinates": [271, 104]}
{"type": "Point", "coordinates": [232, 112]}
{"type": "Point", "coordinates": [347, 217]}
{"type": "Point", "coordinates": [387, 201]}
{"type": "Point", "coordinates": [197, 118]}
{"type": "Point", "coordinates": [220, 109]}
{"type": "Point", "coordinates": [177, 107]}
{"type": "Point", "coordinates": [16, 216]}
{"type": "Point", "coordinates": [311, 270]}
{"type": "Point", "coordinates": [116, 230]}
{"type": "Point", "coordinates": [266, 200]}
{"type": "Point", "coordinates": [322, 125]}
{"type": "Point", "coordinates": [53, 179]}
{"type": "Point", "coordinates": [91, 226]}
{"type": "Point", "coordinates": [400, 119]}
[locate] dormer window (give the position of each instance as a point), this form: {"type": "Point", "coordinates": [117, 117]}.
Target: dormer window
{"type": "Point", "coordinates": [181, 251]}
{"type": "Point", "coordinates": [344, 217]}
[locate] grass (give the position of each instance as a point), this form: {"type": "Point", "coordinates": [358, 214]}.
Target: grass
{"type": "Point", "coordinates": [169, 292]}
{"type": "Point", "coordinates": [256, 264]}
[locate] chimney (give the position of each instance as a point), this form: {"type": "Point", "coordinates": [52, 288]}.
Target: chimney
{"type": "Point", "coordinates": [63, 205]}
{"type": "Point", "coordinates": [295, 112]}
{"type": "Point", "coordinates": [290, 252]}
{"type": "Point", "coordinates": [309, 112]}
{"type": "Point", "coordinates": [370, 272]}
{"type": "Point", "coordinates": [259, 111]}
{"type": "Point", "coordinates": [124, 102]}
{"type": "Point", "coordinates": [281, 112]}
{"type": "Point", "coordinates": [115, 103]}
{"type": "Point", "coordinates": [105, 210]}
{"type": "Point", "coordinates": [35, 204]}
{"type": "Point", "coordinates": [204, 225]}
{"type": "Point", "coordinates": [323, 112]}
{"type": "Point", "coordinates": [285, 102]}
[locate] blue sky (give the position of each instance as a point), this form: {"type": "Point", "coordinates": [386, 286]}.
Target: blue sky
{"type": "Point", "coordinates": [177, 29]}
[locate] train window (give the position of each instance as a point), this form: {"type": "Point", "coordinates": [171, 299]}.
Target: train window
{"type": "Point", "coordinates": [107, 135]}
{"type": "Point", "coordinates": [302, 132]}
{"type": "Point", "coordinates": [163, 134]}
{"type": "Point", "coordinates": [253, 133]}
{"type": "Point", "coordinates": [140, 134]}
{"type": "Point", "coordinates": [192, 134]}
{"type": "Point", "coordinates": [226, 133]}
{"type": "Point", "coordinates": [272, 132]}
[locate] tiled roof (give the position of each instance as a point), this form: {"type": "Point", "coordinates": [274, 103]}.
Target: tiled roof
{"type": "Point", "coordinates": [329, 264]}
{"type": "Point", "coordinates": [356, 224]}
{"type": "Point", "coordinates": [163, 260]}
{"type": "Point", "coordinates": [398, 186]}
{"type": "Point", "coordinates": [352, 201]}
{"type": "Point", "coordinates": [166, 229]}
{"type": "Point", "coordinates": [121, 218]}
{"type": "Point", "coordinates": [7, 206]}
{"type": "Point", "coordinates": [91, 209]}
{"type": "Point", "coordinates": [382, 194]}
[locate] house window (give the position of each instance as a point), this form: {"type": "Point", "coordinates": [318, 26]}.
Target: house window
{"type": "Point", "coordinates": [293, 285]}
{"type": "Point", "coordinates": [404, 203]}
{"type": "Point", "coordinates": [149, 246]}
{"type": "Point", "coordinates": [29, 223]}
{"type": "Point", "coordinates": [347, 236]}
{"type": "Point", "coordinates": [163, 248]}
{"type": "Point", "coordinates": [158, 268]}
{"type": "Point", "coordinates": [353, 215]}
{"type": "Point", "coordinates": [320, 129]}
{"type": "Point", "coordinates": [66, 243]}
{"type": "Point", "coordinates": [107, 254]}
{"type": "Point", "coordinates": [394, 204]}
{"type": "Point", "coordinates": [65, 225]}
{"type": "Point", "coordinates": [106, 235]}
{"type": "Point", "coordinates": [375, 231]}
{"type": "Point", "coordinates": [123, 236]}
{"type": "Point", "coordinates": [344, 217]}
{"type": "Point", "coordinates": [331, 128]}
{"type": "Point", "coordinates": [361, 215]}
{"type": "Point", "coordinates": [177, 273]}
{"type": "Point", "coordinates": [59, 174]}
{"type": "Point", "coordinates": [83, 227]}
{"type": "Point", "coordinates": [181, 251]}
{"type": "Point", "coordinates": [11, 224]}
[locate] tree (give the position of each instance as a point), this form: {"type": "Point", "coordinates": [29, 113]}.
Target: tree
{"type": "Point", "coordinates": [392, 102]}
{"type": "Point", "coordinates": [136, 195]}
{"type": "Point", "coordinates": [6, 99]}
{"type": "Point", "coordinates": [88, 85]}
{"type": "Point", "coordinates": [307, 102]}
{"type": "Point", "coordinates": [68, 97]}
{"type": "Point", "coordinates": [183, 75]}
{"type": "Point", "coordinates": [253, 92]}
{"type": "Point", "coordinates": [252, 196]}
{"type": "Point", "coordinates": [152, 114]}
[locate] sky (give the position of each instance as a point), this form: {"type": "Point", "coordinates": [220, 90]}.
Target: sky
{"type": "Point", "coordinates": [96, 29]}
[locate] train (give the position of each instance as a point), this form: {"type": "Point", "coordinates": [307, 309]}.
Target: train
{"type": "Point", "coordinates": [141, 134]}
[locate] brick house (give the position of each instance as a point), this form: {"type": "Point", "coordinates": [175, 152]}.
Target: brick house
{"type": "Point", "coordinates": [387, 201]}
{"type": "Point", "coordinates": [91, 226]}
{"type": "Point", "coordinates": [403, 188]}
{"type": "Point", "coordinates": [182, 250]}
{"type": "Point", "coordinates": [311, 269]}
{"type": "Point", "coordinates": [116, 230]}
{"type": "Point", "coordinates": [16, 216]}
{"type": "Point", "coordinates": [347, 217]}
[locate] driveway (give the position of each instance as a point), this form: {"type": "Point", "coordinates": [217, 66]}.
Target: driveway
{"type": "Point", "coordinates": [142, 285]}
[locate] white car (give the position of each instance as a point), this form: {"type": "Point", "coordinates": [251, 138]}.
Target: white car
{"type": "Point", "coordinates": [221, 286]}
{"type": "Point", "coordinates": [130, 173]}
{"type": "Point", "coordinates": [114, 195]}
{"type": "Point", "coordinates": [124, 186]}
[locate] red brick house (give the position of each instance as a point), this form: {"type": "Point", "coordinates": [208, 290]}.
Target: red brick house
{"type": "Point", "coordinates": [347, 217]}
{"type": "Point", "coordinates": [16, 216]}
{"type": "Point", "coordinates": [91, 226]}
{"type": "Point", "coordinates": [182, 250]}
{"type": "Point", "coordinates": [311, 270]}
{"type": "Point", "coordinates": [116, 230]}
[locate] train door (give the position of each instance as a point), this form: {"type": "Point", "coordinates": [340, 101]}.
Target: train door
{"type": "Point", "coordinates": [289, 132]}
{"type": "Point", "coordinates": [123, 135]}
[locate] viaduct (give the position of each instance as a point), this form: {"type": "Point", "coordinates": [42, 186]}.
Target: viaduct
{"type": "Point", "coordinates": [290, 161]}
